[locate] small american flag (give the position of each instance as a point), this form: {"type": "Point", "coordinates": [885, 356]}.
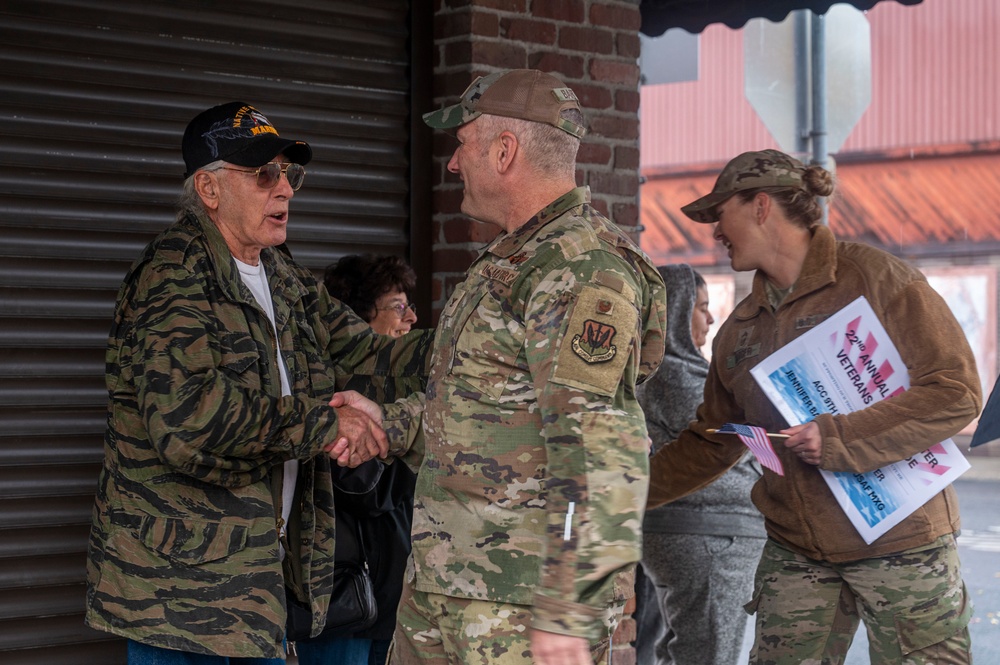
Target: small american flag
{"type": "Point", "coordinates": [756, 440]}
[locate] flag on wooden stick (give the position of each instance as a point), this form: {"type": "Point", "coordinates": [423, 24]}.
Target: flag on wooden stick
{"type": "Point", "coordinates": [755, 438]}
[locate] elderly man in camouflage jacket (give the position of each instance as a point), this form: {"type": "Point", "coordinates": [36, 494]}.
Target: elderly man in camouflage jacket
{"type": "Point", "coordinates": [530, 494]}
{"type": "Point", "coordinates": [216, 488]}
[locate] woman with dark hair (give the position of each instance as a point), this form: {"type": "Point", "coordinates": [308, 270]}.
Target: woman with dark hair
{"type": "Point", "coordinates": [378, 289]}
{"type": "Point", "coordinates": [817, 577]}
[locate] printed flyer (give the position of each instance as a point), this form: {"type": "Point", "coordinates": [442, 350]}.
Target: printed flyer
{"type": "Point", "coordinates": [843, 365]}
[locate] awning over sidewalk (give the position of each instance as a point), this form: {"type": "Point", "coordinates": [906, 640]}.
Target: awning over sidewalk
{"type": "Point", "coordinates": [694, 15]}
{"type": "Point", "coordinates": [921, 207]}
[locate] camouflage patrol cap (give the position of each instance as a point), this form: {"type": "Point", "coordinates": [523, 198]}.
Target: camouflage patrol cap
{"type": "Point", "coordinates": [751, 170]}
{"type": "Point", "coordinates": [527, 94]}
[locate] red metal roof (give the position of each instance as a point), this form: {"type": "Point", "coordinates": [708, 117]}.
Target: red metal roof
{"type": "Point", "coordinates": [923, 206]}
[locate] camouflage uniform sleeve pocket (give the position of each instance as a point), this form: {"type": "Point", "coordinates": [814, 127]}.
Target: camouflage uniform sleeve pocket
{"type": "Point", "coordinates": [598, 341]}
{"type": "Point", "coordinates": [192, 541]}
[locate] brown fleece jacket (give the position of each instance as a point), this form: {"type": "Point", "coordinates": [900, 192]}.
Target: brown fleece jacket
{"type": "Point", "coordinates": [944, 396]}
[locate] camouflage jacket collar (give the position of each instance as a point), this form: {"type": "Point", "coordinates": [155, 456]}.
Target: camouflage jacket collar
{"type": "Point", "coordinates": [285, 289]}
{"type": "Point", "coordinates": [506, 244]}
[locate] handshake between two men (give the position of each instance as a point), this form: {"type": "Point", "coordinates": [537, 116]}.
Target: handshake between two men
{"type": "Point", "coordinates": [360, 436]}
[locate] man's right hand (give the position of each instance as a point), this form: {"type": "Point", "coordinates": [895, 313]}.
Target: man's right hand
{"type": "Point", "coordinates": [359, 437]}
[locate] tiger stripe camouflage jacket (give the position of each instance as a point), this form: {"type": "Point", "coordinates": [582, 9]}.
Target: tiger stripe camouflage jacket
{"type": "Point", "coordinates": [184, 548]}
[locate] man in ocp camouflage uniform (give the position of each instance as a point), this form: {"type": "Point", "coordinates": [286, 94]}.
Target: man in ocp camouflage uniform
{"type": "Point", "coordinates": [530, 493]}
{"type": "Point", "coordinates": [216, 489]}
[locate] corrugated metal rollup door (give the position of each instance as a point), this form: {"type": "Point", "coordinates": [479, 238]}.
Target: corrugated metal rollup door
{"type": "Point", "coordinates": [94, 97]}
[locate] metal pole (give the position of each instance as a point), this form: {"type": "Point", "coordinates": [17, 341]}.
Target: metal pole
{"type": "Point", "coordinates": [819, 127]}
{"type": "Point", "coordinates": [802, 67]}
{"type": "Point", "coordinates": [819, 89]}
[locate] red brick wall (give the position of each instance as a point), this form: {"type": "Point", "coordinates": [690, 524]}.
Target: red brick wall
{"type": "Point", "coordinates": [593, 46]}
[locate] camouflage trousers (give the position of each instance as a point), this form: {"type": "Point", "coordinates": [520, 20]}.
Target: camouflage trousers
{"type": "Point", "coordinates": [441, 630]}
{"type": "Point", "coordinates": [914, 606]}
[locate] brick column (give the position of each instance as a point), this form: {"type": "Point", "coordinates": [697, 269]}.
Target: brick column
{"type": "Point", "coordinates": [593, 46]}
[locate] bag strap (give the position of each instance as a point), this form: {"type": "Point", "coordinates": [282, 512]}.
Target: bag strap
{"type": "Point", "coordinates": [361, 544]}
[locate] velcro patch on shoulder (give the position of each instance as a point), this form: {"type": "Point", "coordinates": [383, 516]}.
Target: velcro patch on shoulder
{"type": "Point", "coordinates": [613, 281]}
{"type": "Point", "coordinates": [609, 280]}
{"type": "Point", "coordinates": [598, 343]}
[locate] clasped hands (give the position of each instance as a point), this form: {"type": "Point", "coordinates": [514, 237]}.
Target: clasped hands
{"type": "Point", "coordinates": [360, 436]}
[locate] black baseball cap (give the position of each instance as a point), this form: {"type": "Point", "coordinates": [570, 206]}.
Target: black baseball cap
{"type": "Point", "coordinates": [239, 134]}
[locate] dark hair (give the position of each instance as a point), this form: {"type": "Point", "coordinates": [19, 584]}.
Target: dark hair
{"type": "Point", "coordinates": [799, 205]}
{"type": "Point", "coordinates": [359, 280]}
{"type": "Point", "coordinates": [699, 281]}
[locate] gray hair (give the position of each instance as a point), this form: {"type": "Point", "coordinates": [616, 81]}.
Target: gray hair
{"type": "Point", "coordinates": [550, 151]}
{"type": "Point", "coordinates": [189, 202]}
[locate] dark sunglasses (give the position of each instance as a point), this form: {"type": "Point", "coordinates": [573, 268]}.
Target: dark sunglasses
{"type": "Point", "coordinates": [269, 174]}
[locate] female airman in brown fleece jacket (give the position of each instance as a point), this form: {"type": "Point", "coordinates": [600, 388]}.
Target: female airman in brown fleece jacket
{"type": "Point", "coordinates": [817, 578]}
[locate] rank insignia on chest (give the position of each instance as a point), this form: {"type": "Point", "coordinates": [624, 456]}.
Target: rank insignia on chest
{"type": "Point", "coordinates": [744, 349]}
{"type": "Point", "coordinates": [593, 343]}
{"type": "Point", "coordinates": [743, 339]}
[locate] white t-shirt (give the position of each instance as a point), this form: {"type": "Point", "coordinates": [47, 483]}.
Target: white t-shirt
{"type": "Point", "coordinates": [256, 280]}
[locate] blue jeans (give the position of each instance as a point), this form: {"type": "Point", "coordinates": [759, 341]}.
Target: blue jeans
{"type": "Point", "coordinates": [144, 654]}
{"type": "Point", "coordinates": [333, 650]}
{"type": "Point", "coordinates": [380, 652]}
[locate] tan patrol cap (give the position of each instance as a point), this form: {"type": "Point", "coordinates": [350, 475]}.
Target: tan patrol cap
{"type": "Point", "coordinates": [527, 94]}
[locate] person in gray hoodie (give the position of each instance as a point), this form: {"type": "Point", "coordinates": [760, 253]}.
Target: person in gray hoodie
{"type": "Point", "coordinates": [699, 553]}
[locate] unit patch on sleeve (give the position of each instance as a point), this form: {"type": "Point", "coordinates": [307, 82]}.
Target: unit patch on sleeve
{"type": "Point", "coordinates": [593, 343]}
{"type": "Point", "coordinates": [598, 342]}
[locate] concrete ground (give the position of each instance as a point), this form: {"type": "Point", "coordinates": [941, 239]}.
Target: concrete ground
{"type": "Point", "coordinates": [985, 459]}
{"type": "Point", "coordinates": [983, 468]}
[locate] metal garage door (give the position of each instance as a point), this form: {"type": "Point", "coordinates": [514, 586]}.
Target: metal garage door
{"type": "Point", "coordinates": [94, 97]}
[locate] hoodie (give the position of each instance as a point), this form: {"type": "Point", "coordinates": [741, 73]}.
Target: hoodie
{"type": "Point", "coordinates": [669, 400]}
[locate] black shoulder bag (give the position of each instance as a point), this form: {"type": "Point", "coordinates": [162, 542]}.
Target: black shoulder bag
{"type": "Point", "coordinates": [352, 604]}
